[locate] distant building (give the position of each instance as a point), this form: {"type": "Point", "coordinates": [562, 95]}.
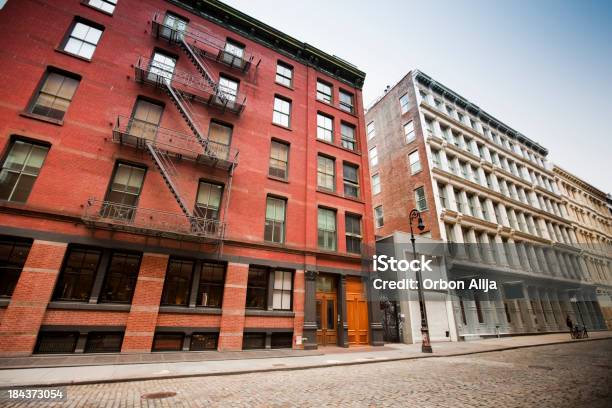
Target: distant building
{"type": "Point", "coordinates": [589, 213]}
{"type": "Point", "coordinates": [489, 193]}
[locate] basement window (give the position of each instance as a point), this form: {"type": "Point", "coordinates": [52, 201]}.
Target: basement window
{"type": "Point", "coordinates": [168, 342]}
{"type": "Point", "coordinates": [100, 342]}
{"type": "Point", "coordinates": [56, 342]}
{"type": "Point", "coordinates": [253, 341]}
{"type": "Point", "coordinates": [204, 341]}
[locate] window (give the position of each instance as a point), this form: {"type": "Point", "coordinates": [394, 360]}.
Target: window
{"type": "Point", "coordinates": [228, 88]}
{"type": "Point", "coordinates": [325, 128]}
{"type": "Point", "coordinates": [173, 27]}
{"type": "Point", "coordinates": [108, 6]}
{"type": "Point", "coordinates": [281, 292]}
{"type": "Point", "coordinates": [415, 163]}
{"type": "Point", "coordinates": [279, 160]}
{"type": "Point", "coordinates": [177, 284]}
{"type": "Point", "coordinates": [257, 288]}
{"type": "Point", "coordinates": [326, 173]}
{"type": "Point", "coordinates": [233, 54]}
{"type": "Point", "coordinates": [253, 341]}
{"type": "Point", "coordinates": [353, 233]}
{"type": "Point", "coordinates": [219, 140]}
{"type": "Point", "coordinates": [120, 279]}
{"type": "Point", "coordinates": [370, 130]}
{"type": "Point", "coordinates": [373, 154]}
{"type": "Point", "coordinates": [435, 158]}
{"type": "Point", "coordinates": [54, 96]}
{"type": "Point", "coordinates": [13, 255]}
{"type": "Point", "coordinates": [209, 200]}
{"type": "Point", "coordinates": [282, 112]}
{"type": "Point", "coordinates": [20, 170]}
{"type": "Point", "coordinates": [275, 220]}
{"type": "Point", "coordinates": [82, 39]}
{"type": "Point", "coordinates": [168, 342]}
{"type": "Point", "coordinates": [204, 341]}
{"type": "Point", "coordinates": [145, 119]}
{"type": "Point", "coordinates": [351, 180]}
{"type": "Point", "coordinates": [404, 103]}
{"type": "Point", "coordinates": [281, 340]}
{"type": "Point", "coordinates": [409, 131]}
{"type": "Point", "coordinates": [324, 92]}
{"type": "Point", "coordinates": [442, 195]}
{"type": "Point", "coordinates": [101, 342]}
{"type": "Point", "coordinates": [348, 136]}
{"type": "Point", "coordinates": [284, 74]}
{"type": "Point", "coordinates": [327, 229]}
{"type": "Point", "coordinates": [378, 216]}
{"type": "Point", "coordinates": [56, 342]}
{"type": "Point", "coordinates": [419, 199]}
{"type": "Point", "coordinates": [212, 280]}
{"type": "Point", "coordinates": [376, 184]}
{"type": "Point", "coordinates": [162, 67]}
{"type": "Point", "coordinates": [346, 101]}
{"type": "Point", "coordinates": [77, 275]}
{"type": "Point", "coordinates": [123, 193]}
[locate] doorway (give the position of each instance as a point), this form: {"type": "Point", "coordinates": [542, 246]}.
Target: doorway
{"type": "Point", "coordinates": [356, 311]}
{"type": "Point", "coordinates": [327, 311]}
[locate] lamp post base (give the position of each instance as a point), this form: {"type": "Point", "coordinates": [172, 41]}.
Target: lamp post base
{"type": "Point", "coordinates": [426, 345]}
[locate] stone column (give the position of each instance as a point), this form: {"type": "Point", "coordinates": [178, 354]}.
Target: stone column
{"type": "Point", "coordinates": [375, 314]}
{"type": "Point", "coordinates": [298, 307]}
{"type": "Point", "coordinates": [141, 322]}
{"type": "Point", "coordinates": [234, 301]}
{"type": "Point", "coordinates": [24, 315]}
{"type": "Point", "coordinates": [310, 313]}
{"type": "Point", "coordinates": [342, 320]}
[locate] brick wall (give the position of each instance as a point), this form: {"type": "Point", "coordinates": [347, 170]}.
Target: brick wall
{"type": "Point", "coordinates": [24, 315]}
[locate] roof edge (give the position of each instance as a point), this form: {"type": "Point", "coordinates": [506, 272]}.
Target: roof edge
{"type": "Point", "coordinates": [249, 27]}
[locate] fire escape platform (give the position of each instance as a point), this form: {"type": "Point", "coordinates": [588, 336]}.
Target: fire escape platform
{"type": "Point", "coordinates": [178, 146]}
{"type": "Point", "coordinates": [192, 88]}
{"type": "Point", "coordinates": [207, 45]}
{"type": "Point", "coordinates": [111, 216]}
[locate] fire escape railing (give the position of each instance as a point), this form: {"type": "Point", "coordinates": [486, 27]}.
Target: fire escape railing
{"type": "Point", "coordinates": [187, 86]}
{"type": "Point", "coordinates": [115, 216]}
{"type": "Point", "coordinates": [177, 145]}
{"type": "Point", "coordinates": [205, 44]}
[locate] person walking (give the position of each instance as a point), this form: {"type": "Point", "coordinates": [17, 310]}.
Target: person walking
{"type": "Point", "coordinates": [570, 325]}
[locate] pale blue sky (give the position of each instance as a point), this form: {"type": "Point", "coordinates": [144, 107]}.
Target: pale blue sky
{"type": "Point", "coordinates": [543, 67]}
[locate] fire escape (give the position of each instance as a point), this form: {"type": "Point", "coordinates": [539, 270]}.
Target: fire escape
{"type": "Point", "coordinates": [166, 146]}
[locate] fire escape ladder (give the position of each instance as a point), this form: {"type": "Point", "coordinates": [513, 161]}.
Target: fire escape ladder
{"type": "Point", "coordinates": [194, 55]}
{"type": "Point", "coordinates": [186, 112]}
{"type": "Point", "coordinates": [167, 170]}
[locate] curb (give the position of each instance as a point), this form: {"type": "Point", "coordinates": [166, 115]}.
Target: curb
{"type": "Point", "coordinates": [296, 368]}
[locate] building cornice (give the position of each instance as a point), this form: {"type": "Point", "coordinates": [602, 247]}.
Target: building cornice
{"type": "Point", "coordinates": [253, 29]}
{"type": "Point", "coordinates": [477, 111]}
{"type": "Point", "coordinates": [579, 182]}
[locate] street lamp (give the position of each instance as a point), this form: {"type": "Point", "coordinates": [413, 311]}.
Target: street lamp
{"type": "Point", "coordinates": [425, 345]}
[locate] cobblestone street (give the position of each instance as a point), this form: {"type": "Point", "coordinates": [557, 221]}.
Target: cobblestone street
{"type": "Point", "coordinates": [564, 375]}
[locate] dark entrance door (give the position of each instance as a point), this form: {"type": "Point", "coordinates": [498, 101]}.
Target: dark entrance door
{"type": "Point", "coordinates": [390, 321]}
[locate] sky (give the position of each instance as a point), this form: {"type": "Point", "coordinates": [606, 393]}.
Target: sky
{"type": "Point", "coordinates": [542, 67]}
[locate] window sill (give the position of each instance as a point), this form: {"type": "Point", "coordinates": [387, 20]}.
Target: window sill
{"type": "Point", "coordinates": [336, 107]}
{"type": "Point", "coordinates": [282, 127]}
{"type": "Point", "coordinates": [72, 55]}
{"type": "Point", "coordinates": [31, 115]}
{"type": "Point", "coordinates": [76, 305]}
{"type": "Point", "coordinates": [271, 313]}
{"type": "Point", "coordinates": [190, 310]}
{"type": "Point", "coordinates": [278, 179]}
{"type": "Point", "coordinates": [285, 86]}
{"type": "Point", "coordinates": [4, 302]}
{"type": "Point", "coordinates": [332, 193]}
{"type": "Point", "coordinates": [86, 4]}
{"type": "Point", "coordinates": [356, 152]}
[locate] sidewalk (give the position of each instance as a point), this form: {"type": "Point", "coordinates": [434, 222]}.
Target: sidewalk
{"type": "Point", "coordinates": [264, 360]}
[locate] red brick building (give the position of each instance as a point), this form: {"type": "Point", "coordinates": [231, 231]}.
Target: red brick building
{"type": "Point", "coordinates": [177, 175]}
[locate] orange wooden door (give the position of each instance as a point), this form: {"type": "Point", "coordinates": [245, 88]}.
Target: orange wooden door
{"type": "Point", "coordinates": [356, 311]}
